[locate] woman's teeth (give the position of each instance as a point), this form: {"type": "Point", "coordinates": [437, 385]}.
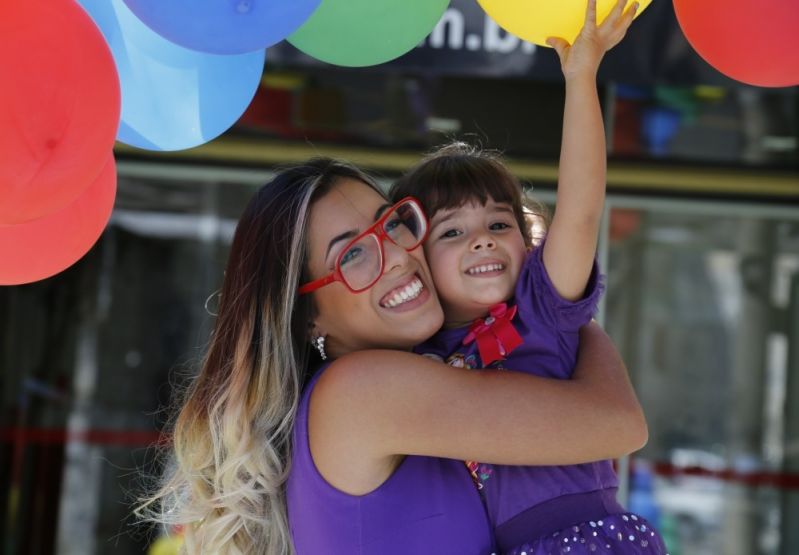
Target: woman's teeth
{"type": "Point", "coordinates": [403, 294]}
{"type": "Point", "coordinates": [485, 268]}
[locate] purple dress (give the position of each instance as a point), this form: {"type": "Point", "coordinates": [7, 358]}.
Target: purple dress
{"type": "Point", "coordinates": [540, 510]}
{"type": "Point", "coordinates": [428, 505]}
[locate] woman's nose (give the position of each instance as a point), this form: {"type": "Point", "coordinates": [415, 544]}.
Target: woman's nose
{"type": "Point", "coordinates": [482, 242]}
{"type": "Point", "coordinates": [396, 256]}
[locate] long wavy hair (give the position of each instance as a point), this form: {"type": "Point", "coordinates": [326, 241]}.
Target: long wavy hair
{"type": "Point", "coordinates": [231, 440]}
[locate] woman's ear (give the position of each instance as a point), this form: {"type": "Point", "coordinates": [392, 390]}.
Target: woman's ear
{"type": "Point", "coordinates": [313, 329]}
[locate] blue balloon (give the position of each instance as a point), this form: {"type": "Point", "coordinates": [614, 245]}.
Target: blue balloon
{"type": "Point", "coordinates": [224, 26]}
{"type": "Point", "coordinates": [173, 98]}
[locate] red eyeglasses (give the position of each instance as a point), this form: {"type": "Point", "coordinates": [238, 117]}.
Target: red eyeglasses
{"type": "Point", "coordinates": [362, 261]}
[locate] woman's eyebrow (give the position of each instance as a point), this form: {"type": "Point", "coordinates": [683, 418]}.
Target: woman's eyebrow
{"type": "Point", "coordinates": [340, 237]}
{"type": "Point", "coordinates": [353, 232]}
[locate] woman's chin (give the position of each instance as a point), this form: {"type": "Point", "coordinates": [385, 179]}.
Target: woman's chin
{"type": "Point", "coordinates": [421, 327]}
{"type": "Point", "coordinates": [428, 324]}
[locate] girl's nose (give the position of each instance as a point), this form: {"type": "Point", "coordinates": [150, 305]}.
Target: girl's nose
{"type": "Point", "coordinates": [483, 242]}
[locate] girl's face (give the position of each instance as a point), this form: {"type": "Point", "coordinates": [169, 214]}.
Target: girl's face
{"type": "Point", "coordinates": [476, 254]}
{"type": "Point", "coordinates": [398, 311]}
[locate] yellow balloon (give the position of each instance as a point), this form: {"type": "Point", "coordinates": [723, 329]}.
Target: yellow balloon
{"type": "Point", "coordinates": [536, 20]}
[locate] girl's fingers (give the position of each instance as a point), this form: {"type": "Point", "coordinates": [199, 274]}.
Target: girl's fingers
{"type": "Point", "coordinates": [624, 23]}
{"type": "Point", "coordinates": [618, 9]}
{"type": "Point", "coordinates": [590, 13]}
{"type": "Point", "coordinates": [629, 15]}
{"type": "Point", "coordinates": [616, 31]}
{"type": "Point", "coordinates": [560, 45]}
{"type": "Point", "coordinates": [615, 14]}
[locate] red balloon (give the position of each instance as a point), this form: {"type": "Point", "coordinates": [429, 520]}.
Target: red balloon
{"type": "Point", "coordinates": [59, 106]}
{"type": "Point", "coordinates": [754, 41]}
{"type": "Point", "coordinates": [41, 248]}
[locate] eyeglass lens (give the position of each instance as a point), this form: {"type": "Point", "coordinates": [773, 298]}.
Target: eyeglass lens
{"type": "Point", "coordinates": [362, 262]}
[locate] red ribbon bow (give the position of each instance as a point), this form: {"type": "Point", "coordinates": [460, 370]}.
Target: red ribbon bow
{"type": "Point", "coordinates": [496, 337]}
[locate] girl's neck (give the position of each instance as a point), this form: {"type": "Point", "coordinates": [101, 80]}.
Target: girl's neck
{"type": "Point", "coordinates": [451, 325]}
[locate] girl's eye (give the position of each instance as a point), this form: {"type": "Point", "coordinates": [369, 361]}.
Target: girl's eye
{"type": "Point", "coordinates": [448, 234]}
{"type": "Point", "coordinates": [352, 254]}
{"type": "Point", "coordinates": [499, 226]}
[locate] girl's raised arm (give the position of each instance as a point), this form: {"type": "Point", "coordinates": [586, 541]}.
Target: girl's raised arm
{"type": "Point", "coordinates": [571, 242]}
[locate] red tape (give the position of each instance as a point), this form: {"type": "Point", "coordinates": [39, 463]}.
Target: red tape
{"type": "Point", "coordinates": [50, 436]}
{"type": "Point", "coordinates": [144, 438]}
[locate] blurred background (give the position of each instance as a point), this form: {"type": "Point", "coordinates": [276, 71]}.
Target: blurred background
{"type": "Point", "coordinates": [700, 244]}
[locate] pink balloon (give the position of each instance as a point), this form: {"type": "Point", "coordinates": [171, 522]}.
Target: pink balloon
{"type": "Point", "coordinates": [753, 41]}
{"type": "Point", "coordinates": [59, 106]}
{"type": "Point", "coordinates": [38, 249]}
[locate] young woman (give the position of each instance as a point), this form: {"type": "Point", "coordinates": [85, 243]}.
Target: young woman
{"type": "Point", "coordinates": [312, 427]}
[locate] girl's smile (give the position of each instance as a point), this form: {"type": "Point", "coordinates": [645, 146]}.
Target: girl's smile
{"type": "Point", "coordinates": [475, 254]}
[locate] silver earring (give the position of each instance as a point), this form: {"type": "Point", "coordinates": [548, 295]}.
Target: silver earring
{"type": "Point", "coordinates": [319, 343]}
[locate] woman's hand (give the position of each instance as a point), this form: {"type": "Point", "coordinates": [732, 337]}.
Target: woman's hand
{"type": "Point", "coordinates": [583, 57]}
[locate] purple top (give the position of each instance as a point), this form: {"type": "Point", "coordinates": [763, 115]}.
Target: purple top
{"type": "Point", "coordinates": [549, 327]}
{"type": "Point", "coordinates": [428, 505]}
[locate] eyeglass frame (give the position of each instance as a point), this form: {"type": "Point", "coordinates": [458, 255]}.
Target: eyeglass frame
{"type": "Point", "coordinates": [380, 233]}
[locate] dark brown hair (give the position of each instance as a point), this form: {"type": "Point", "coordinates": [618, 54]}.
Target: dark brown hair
{"type": "Point", "coordinates": [459, 173]}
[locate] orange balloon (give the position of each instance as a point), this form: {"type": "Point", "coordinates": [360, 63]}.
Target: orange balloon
{"type": "Point", "coordinates": [59, 106]}
{"type": "Point", "coordinates": [41, 248]}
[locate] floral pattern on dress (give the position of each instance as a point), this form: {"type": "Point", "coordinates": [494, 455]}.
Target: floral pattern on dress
{"type": "Point", "coordinates": [479, 472]}
{"type": "Point", "coordinates": [459, 360]}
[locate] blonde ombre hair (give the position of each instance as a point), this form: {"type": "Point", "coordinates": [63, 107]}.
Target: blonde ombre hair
{"type": "Point", "coordinates": [231, 440]}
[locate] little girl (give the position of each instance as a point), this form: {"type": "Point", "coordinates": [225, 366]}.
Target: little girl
{"type": "Point", "coordinates": [508, 305]}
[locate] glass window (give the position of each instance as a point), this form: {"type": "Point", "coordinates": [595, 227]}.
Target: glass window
{"type": "Point", "coordinates": [702, 300]}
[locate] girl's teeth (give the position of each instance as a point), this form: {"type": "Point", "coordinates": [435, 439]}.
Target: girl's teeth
{"type": "Point", "coordinates": [407, 293]}
{"type": "Point", "coordinates": [485, 268]}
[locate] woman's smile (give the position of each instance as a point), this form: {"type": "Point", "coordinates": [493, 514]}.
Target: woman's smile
{"type": "Point", "coordinates": [400, 310]}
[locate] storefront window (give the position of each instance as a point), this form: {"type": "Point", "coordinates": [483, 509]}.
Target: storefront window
{"type": "Point", "coordinates": [702, 300]}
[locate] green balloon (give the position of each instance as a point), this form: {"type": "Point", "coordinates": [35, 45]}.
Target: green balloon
{"type": "Point", "coordinates": [359, 33]}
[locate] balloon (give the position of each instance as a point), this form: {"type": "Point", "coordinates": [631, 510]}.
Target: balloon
{"type": "Point", "coordinates": [41, 248]}
{"type": "Point", "coordinates": [535, 20]}
{"type": "Point", "coordinates": [173, 98]}
{"type": "Point", "coordinates": [59, 106]}
{"type": "Point", "coordinates": [366, 32]}
{"type": "Point", "coordinates": [223, 27]}
{"type": "Point", "coordinates": [754, 41]}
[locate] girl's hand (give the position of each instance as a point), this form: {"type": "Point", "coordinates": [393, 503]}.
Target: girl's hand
{"type": "Point", "coordinates": [583, 57]}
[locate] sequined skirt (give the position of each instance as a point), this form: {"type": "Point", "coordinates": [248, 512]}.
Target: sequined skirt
{"type": "Point", "coordinates": [624, 533]}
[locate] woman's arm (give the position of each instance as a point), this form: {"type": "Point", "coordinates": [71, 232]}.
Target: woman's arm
{"type": "Point", "coordinates": [370, 407]}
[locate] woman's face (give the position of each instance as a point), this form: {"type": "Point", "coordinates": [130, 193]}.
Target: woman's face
{"type": "Point", "coordinates": [378, 317]}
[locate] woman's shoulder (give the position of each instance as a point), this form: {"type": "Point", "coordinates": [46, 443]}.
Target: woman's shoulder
{"type": "Point", "coordinates": [368, 371]}
{"type": "Point", "coordinates": [346, 420]}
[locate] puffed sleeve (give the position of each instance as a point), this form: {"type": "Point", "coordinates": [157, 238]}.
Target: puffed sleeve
{"type": "Point", "coordinates": [536, 296]}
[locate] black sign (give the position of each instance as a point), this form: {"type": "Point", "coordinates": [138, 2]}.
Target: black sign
{"type": "Point", "coordinates": [467, 42]}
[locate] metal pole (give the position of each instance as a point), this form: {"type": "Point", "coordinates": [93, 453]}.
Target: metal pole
{"type": "Point", "coordinates": [756, 250]}
{"type": "Point", "coordinates": [789, 532]}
